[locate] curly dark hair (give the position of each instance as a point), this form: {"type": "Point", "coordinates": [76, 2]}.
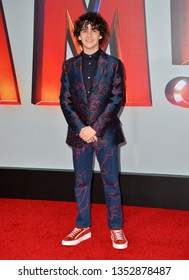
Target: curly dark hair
{"type": "Point", "coordinates": [96, 21]}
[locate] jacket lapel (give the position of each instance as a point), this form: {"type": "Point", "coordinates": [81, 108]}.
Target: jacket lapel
{"type": "Point", "coordinates": [101, 67]}
{"type": "Point", "coordinates": [78, 74]}
{"type": "Point", "coordinates": [79, 71]}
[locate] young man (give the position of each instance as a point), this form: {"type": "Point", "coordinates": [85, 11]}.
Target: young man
{"type": "Point", "coordinates": [92, 92]}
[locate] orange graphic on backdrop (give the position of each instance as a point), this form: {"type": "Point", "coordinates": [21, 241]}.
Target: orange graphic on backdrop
{"type": "Point", "coordinates": [8, 84]}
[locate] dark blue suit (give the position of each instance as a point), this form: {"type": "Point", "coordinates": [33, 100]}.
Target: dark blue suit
{"type": "Point", "coordinates": [100, 111]}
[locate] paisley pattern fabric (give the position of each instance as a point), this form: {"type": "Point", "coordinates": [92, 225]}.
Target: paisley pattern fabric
{"type": "Point", "coordinates": [100, 109]}
{"type": "Point", "coordinates": [109, 167]}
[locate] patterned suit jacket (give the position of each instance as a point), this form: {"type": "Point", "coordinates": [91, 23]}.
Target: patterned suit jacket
{"type": "Point", "coordinates": [100, 109]}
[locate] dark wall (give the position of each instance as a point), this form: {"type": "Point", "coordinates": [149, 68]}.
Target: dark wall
{"type": "Point", "coordinates": [161, 191]}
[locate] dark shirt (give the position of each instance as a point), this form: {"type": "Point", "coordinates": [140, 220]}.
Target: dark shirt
{"type": "Point", "coordinates": [89, 69]}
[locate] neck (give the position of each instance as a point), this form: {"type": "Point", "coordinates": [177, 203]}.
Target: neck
{"type": "Point", "coordinates": [90, 51]}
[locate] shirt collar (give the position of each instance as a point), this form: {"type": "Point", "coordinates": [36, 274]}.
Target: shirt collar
{"type": "Point", "coordinates": [92, 56]}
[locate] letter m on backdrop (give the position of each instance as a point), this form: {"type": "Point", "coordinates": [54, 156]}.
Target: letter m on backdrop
{"type": "Point", "coordinates": [53, 26]}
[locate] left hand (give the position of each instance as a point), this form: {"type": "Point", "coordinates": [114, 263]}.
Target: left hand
{"type": "Point", "coordinates": [88, 134]}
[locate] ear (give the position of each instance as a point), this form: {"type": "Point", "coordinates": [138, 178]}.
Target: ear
{"type": "Point", "coordinates": [79, 37]}
{"type": "Point", "coordinates": [100, 37]}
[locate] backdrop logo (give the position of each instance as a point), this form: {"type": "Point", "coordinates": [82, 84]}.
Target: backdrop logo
{"type": "Point", "coordinates": [177, 90]}
{"type": "Point", "coordinates": [53, 25]}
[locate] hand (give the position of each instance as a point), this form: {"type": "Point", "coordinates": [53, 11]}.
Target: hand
{"type": "Point", "coordinates": [93, 139]}
{"type": "Point", "coordinates": [88, 134]}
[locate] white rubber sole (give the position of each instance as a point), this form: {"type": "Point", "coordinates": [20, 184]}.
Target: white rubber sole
{"type": "Point", "coordinates": [120, 246]}
{"type": "Point", "coordinates": [77, 241]}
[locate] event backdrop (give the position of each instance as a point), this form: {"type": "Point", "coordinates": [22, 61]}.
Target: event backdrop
{"type": "Point", "coordinates": [151, 37]}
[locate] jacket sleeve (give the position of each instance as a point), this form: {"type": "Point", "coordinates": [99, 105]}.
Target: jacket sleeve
{"type": "Point", "coordinates": [112, 108]}
{"type": "Point", "coordinates": [67, 105]}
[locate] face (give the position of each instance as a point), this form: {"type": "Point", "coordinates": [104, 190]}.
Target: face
{"type": "Point", "coordinates": [89, 37]}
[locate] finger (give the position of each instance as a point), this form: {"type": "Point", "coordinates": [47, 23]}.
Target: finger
{"type": "Point", "coordinates": [95, 138]}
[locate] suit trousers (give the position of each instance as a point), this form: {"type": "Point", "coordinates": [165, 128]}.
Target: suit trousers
{"type": "Point", "coordinates": [109, 166]}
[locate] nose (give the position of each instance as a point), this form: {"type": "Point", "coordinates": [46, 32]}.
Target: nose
{"type": "Point", "coordinates": [89, 32]}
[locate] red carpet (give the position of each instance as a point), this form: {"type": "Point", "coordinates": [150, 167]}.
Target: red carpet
{"type": "Point", "coordinates": [33, 230]}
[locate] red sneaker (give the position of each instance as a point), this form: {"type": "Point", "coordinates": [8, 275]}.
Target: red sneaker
{"type": "Point", "coordinates": [119, 240]}
{"type": "Point", "coordinates": [76, 236]}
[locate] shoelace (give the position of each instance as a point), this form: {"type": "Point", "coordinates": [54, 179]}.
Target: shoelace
{"type": "Point", "coordinates": [118, 234]}
{"type": "Point", "coordinates": [74, 232]}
